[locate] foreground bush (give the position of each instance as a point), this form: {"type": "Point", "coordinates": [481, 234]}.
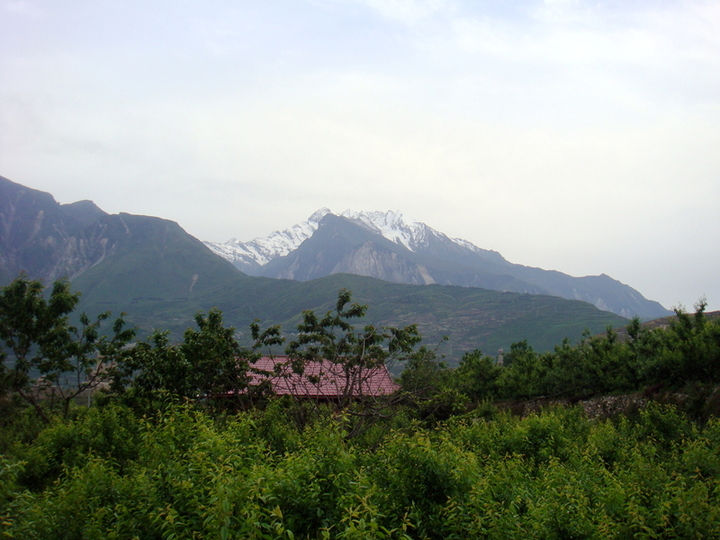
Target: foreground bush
{"type": "Point", "coordinates": [183, 474]}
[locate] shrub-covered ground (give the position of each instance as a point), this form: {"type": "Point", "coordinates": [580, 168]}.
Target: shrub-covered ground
{"type": "Point", "coordinates": [181, 473]}
{"type": "Point", "coordinates": [181, 448]}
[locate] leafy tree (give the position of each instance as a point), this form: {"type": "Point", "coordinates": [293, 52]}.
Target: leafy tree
{"type": "Point", "coordinates": [425, 374]}
{"type": "Point", "coordinates": [334, 339]}
{"type": "Point", "coordinates": [428, 387]}
{"type": "Point", "coordinates": [155, 365]}
{"type": "Point", "coordinates": [524, 373]}
{"type": "Point", "coordinates": [598, 364]}
{"type": "Point", "coordinates": [48, 355]}
{"type": "Point", "coordinates": [698, 344]}
{"type": "Point", "coordinates": [90, 357]}
{"type": "Point", "coordinates": [477, 376]}
{"type": "Point", "coordinates": [208, 363]}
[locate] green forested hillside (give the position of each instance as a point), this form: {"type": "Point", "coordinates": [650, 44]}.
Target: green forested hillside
{"type": "Point", "coordinates": [470, 318]}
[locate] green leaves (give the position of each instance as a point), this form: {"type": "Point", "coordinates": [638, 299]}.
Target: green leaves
{"type": "Point", "coordinates": [208, 365]}
{"type": "Point", "coordinates": [183, 474]}
{"type": "Point", "coordinates": [67, 360]}
{"type": "Point", "coordinates": [334, 338]}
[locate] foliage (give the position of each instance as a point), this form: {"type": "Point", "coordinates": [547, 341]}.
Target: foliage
{"type": "Point", "coordinates": [67, 360]}
{"type": "Point", "coordinates": [428, 388]}
{"type": "Point", "coordinates": [476, 376]}
{"type": "Point", "coordinates": [208, 361]}
{"type": "Point", "coordinates": [686, 353]}
{"type": "Point", "coordinates": [525, 371]}
{"type": "Point", "coordinates": [333, 338]}
{"type": "Point", "coordinates": [354, 356]}
{"type": "Point", "coordinates": [430, 470]}
{"type": "Point", "coordinates": [208, 365]}
{"type": "Point", "coordinates": [184, 474]}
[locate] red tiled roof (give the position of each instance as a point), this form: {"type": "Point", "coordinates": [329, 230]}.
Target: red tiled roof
{"type": "Point", "coordinates": [323, 379]}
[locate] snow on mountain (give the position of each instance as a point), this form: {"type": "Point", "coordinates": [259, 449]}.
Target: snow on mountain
{"type": "Point", "coordinates": [414, 235]}
{"type": "Point", "coordinates": [409, 233]}
{"type": "Point", "coordinates": [392, 225]}
{"type": "Point", "coordinates": [437, 259]}
{"type": "Point", "coordinates": [260, 251]}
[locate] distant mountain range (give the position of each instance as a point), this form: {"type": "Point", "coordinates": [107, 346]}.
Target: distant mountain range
{"type": "Point", "coordinates": [386, 246]}
{"type": "Point", "coordinates": [151, 269]}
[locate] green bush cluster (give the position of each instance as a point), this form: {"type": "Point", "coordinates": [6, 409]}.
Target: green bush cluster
{"type": "Point", "coordinates": [684, 355]}
{"type": "Point", "coordinates": [182, 473]}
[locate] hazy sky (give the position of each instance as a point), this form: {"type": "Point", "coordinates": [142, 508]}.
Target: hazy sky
{"type": "Point", "coordinates": [570, 135]}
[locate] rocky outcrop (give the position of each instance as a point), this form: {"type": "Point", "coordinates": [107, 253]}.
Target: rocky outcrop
{"type": "Point", "coordinates": [47, 240]}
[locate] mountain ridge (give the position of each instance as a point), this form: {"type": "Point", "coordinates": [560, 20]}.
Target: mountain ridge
{"type": "Point", "coordinates": [408, 251]}
{"type": "Point", "coordinates": [160, 276]}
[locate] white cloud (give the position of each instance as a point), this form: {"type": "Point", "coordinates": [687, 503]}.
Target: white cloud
{"type": "Point", "coordinates": [407, 12]}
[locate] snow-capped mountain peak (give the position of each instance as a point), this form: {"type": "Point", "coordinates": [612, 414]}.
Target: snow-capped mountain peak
{"type": "Point", "coordinates": [393, 226]}
{"type": "Point", "coordinates": [260, 251]}
{"type": "Point", "coordinates": [318, 215]}
{"type": "Point", "coordinates": [250, 256]}
{"type": "Point", "coordinates": [301, 254]}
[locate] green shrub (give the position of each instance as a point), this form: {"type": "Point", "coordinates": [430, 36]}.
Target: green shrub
{"type": "Point", "coordinates": [417, 475]}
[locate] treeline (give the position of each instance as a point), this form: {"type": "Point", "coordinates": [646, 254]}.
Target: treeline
{"type": "Point", "coordinates": [683, 355]}
{"type": "Point", "coordinates": [178, 445]}
{"type": "Point", "coordinates": [44, 355]}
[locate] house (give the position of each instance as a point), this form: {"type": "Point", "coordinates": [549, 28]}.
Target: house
{"type": "Point", "coordinates": [324, 380]}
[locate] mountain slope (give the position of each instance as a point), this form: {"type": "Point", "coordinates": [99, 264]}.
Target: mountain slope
{"type": "Point", "coordinates": [108, 257]}
{"type": "Point", "coordinates": [151, 269]}
{"type": "Point", "coordinates": [385, 246]}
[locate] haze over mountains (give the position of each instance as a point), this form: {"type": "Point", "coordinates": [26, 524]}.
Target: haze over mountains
{"type": "Point", "coordinates": [386, 246]}
{"type": "Point", "coordinates": [151, 269]}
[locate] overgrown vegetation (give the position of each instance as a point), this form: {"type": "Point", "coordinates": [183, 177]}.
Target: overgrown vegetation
{"type": "Point", "coordinates": [180, 473]}
{"type": "Point", "coordinates": [159, 457]}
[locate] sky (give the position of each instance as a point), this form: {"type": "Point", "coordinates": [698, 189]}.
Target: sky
{"type": "Point", "coordinates": [569, 135]}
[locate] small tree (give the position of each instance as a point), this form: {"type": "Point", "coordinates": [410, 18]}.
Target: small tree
{"type": "Point", "coordinates": [208, 363]}
{"type": "Point", "coordinates": [90, 357]}
{"type": "Point", "coordinates": [49, 356]}
{"type": "Point", "coordinates": [428, 387]}
{"type": "Point", "coordinates": [355, 354]}
{"type": "Point", "coordinates": [476, 376]}
{"type": "Point", "coordinates": [524, 373]}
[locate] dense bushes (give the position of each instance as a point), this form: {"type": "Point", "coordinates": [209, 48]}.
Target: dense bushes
{"type": "Point", "coordinates": [685, 354]}
{"type": "Point", "coordinates": [159, 459]}
{"type": "Point", "coordinates": [183, 474]}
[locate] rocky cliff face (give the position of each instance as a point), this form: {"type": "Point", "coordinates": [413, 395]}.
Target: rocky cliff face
{"type": "Point", "coordinates": [45, 239]}
{"type": "Point", "coordinates": [369, 259]}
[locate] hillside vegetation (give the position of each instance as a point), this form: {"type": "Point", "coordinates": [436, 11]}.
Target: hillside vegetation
{"type": "Point", "coordinates": [151, 269]}
{"type": "Point", "coordinates": [163, 455]}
